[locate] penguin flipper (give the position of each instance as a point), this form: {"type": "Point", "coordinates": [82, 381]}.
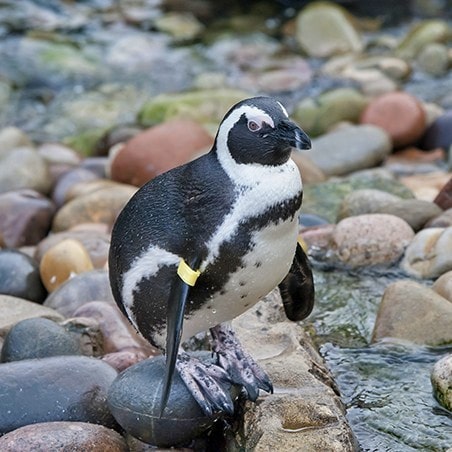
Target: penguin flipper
{"type": "Point", "coordinates": [174, 320]}
{"type": "Point", "coordinates": [297, 288]}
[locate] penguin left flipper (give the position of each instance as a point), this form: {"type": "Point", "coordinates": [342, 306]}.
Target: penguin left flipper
{"type": "Point", "coordinates": [297, 288]}
{"type": "Point", "coordinates": [239, 365]}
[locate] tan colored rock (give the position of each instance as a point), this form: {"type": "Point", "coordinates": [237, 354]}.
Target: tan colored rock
{"type": "Point", "coordinates": [443, 286]}
{"type": "Point", "coordinates": [415, 313]}
{"type": "Point", "coordinates": [310, 172]}
{"type": "Point", "coordinates": [426, 186]}
{"type": "Point", "coordinates": [373, 239]}
{"type": "Point", "coordinates": [442, 381]}
{"type": "Point", "coordinates": [100, 206]}
{"type": "Point", "coordinates": [429, 255]}
{"type": "Point", "coordinates": [13, 310]}
{"type": "Point", "coordinates": [64, 260]}
{"type": "Point", "coordinates": [304, 413]}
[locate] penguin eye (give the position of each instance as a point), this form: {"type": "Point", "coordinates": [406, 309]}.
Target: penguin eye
{"type": "Point", "coordinates": [254, 126]}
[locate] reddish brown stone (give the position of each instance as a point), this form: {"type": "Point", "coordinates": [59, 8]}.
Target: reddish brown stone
{"type": "Point", "coordinates": [415, 155]}
{"type": "Point", "coordinates": [159, 149]}
{"type": "Point", "coordinates": [444, 197]}
{"type": "Point", "coordinates": [400, 114]}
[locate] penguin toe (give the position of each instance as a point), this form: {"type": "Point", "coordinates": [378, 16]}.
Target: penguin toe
{"type": "Point", "coordinates": [208, 384]}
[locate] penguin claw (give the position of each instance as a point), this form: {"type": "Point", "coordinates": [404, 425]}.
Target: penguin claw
{"type": "Point", "coordinates": [208, 384]}
{"type": "Point", "coordinates": [239, 365]}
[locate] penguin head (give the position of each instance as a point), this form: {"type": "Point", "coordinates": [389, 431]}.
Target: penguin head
{"type": "Point", "coordinates": [259, 131]}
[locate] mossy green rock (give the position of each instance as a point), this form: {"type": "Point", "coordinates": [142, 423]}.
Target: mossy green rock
{"type": "Point", "coordinates": [324, 199]}
{"type": "Point", "coordinates": [206, 106]}
{"type": "Point", "coordinates": [317, 115]}
{"type": "Point", "coordinates": [324, 29]}
{"type": "Point", "coordinates": [422, 34]}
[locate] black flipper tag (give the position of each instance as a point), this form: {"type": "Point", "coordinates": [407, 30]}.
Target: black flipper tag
{"type": "Point", "coordinates": [297, 288]}
{"type": "Point", "coordinates": [174, 320]}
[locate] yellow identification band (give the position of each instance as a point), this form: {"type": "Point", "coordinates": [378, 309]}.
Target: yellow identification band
{"type": "Point", "coordinates": [187, 274]}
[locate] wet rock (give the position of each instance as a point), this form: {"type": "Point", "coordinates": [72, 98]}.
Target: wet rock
{"type": "Point", "coordinates": [442, 381]}
{"type": "Point", "coordinates": [400, 114]}
{"type": "Point", "coordinates": [304, 412]}
{"type": "Point", "coordinates": [364, 201]}
{"type": "Point", "coordinates": [441, 221]}
{"type": "Point", "coordinates": [19, 276]}
{"type": "Point", "coordinates": [95, 240]}
{"type": "Point", "coordinates": [68, 180]}
{"type": "Point", "coordinates": [373, 239]}
{"type": "Point", "coordinates": [100, 206]}
{"type": "Point", "coordinates": [415, 313]}
{"type": "Point", "coordinates": [88, 286]}
{"type": "Point", "coordinates": [429, 255]}
{"type": "Point", "coordinates": [38, 338]}
{"type": "Point", "coordinates": [318, 115]}
{"type": "Point", "coordinates": [25, 218]}
{"type": "Point", "coordinates": [350, 149]}
{"type": "Point", "coordinates": [134, 400]}
{"type": "Point", "coordinates": [63, 261]}
{"type": "Point", "coordinates": [439, 133]}
{"type": "Point", "coordinates": [14, 310]}
{"type": "Point", "coordinates": [59, 388]}
{"type": "Point", "coordinates": [444, 197]}
{"type": "Point", "coordinates": [159, 149]}
{"type": "Point", "coordinates": [324, 199]}
{"type": "Point", "coordinates": [205, 106]}
{"type": "Point", "coordinates": [74, 436]}
{"type": "Point", "coordinates": [416, 212]}
{"type": "Point", "coordinates": [24, 168]}
{"type": "Point", "coordinates": [434, 59]}
{"type": "Point", "coordinates": [420, 35]}
{"type": "Point", "coordinates": [324, 29]}
{"type": "Point", "coordinates": [117, 331]}
{"type": "Point", "coordinates": [12, 138]}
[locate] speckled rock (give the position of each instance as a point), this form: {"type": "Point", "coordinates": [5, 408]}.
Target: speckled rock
{"type": "Point", "coordinates": [400, 114]}
{"type": "Point", "coordinates": [318, 115]}
{"type": "Point", "coordinates": [429, 255]}
{"type": "Point", "coordinates": [158, 149]}
{"type": "Point", "coordinates": [63, 436]}
{"type": "Point", "coordinates": [68, 180]}
{"type": "Point", "coordinates": [324, 29]}
{"type": "Point", "coordinates": [373, 239]}
{"type": "Point", "coordinates": [38, 338]}
{"type": "Point", "coordinates": [88, 286]}
{"type": "Point", "coordinates": [134, 400]}
{"type": "Point", "coordinates": [118, 333]}
{"type": "Point", "coordinates": [13, 310]}
{"type": "Point", "coordinates": [443, 285]}
{"type": "Point", "coordinates": [19, 276]}
{"type": "Point", "coordinates": [96, 241]}
{"type": "Point", "coordinates": [415, 313]}
{"type": "Point", "coordinates": [444, 197]}
{"type": "Point", "coordinates": [439, 133]}
{"type": "Point", "coordinates": [60, 388]}
{"type": "Point", "coordinates": [25, 218]}
{"type": "Point", "coordinates": [101, 206]}
{"type": "Point", "coordinates": [63, 261]}
{"type": "Point", "coordinates": [441, 378]}
{"type": "Point", "coordinates": [416, 212]}
{"type": "Point", "coordinates": [364, 201]}
{"type": "Point", "coordinates": [350, 149]}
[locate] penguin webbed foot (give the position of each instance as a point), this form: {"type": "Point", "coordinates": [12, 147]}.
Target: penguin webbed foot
{"type": "Point", "coordinates": [239, 365]}
{"type": "Point", "coordinates": [208, 383]}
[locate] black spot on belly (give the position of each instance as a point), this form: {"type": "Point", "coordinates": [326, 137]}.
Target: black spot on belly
{"type": "Point", "coordinates": [242, 283]}
{"type": "Point", "coordinates": [243, 296]}
{"type": "Point", "coordinates": [258, 264]}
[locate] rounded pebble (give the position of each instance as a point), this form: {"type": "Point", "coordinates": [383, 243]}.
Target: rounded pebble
{"type": "Point", "coordinates": [400, 114]}
{"type": "Point", "coordinates": [373, 239]}
{"type": "Point", "coordinates": [441, 378]}
{"type": "Point", "coordinates": [63, 261]}
{"type": "Point", "coordinates": [439, 133]}
{"type": "Point", "coordinates": [19, 276]}
{"type": "Point", "coordinates": [443, 285]}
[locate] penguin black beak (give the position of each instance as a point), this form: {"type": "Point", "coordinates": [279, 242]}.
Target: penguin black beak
{"type": "Point", "coordinates": [294, 135]}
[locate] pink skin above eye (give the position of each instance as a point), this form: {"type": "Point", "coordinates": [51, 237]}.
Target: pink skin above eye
{"type": "Point", "coordinates": [256, 123]}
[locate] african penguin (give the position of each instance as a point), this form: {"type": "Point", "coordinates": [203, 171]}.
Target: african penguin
{"type": "Point", "coordinates": [200, 244]}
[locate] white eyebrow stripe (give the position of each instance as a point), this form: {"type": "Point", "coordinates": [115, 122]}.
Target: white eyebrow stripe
{"type": "Point", "coordinates": [262, 118]}
{"type": "Point", "coordinates": [283, 109]}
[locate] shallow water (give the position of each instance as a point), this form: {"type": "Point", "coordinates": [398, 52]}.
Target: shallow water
{"type": "Point", "coordinates": [386, 386]}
